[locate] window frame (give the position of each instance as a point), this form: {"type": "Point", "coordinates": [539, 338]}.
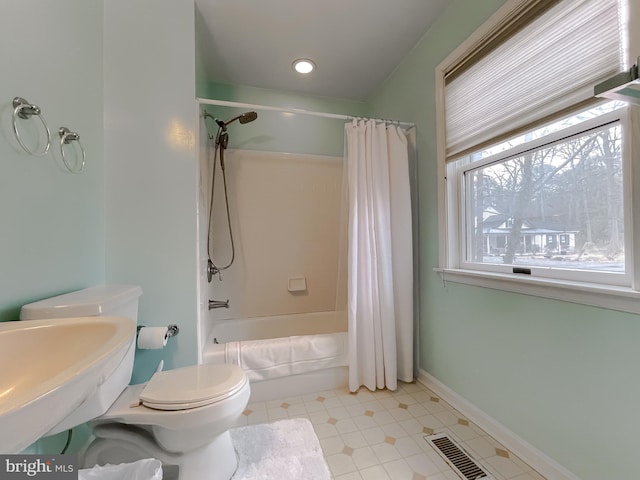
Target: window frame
{"type": "Point", "coordinates": [587, 291]}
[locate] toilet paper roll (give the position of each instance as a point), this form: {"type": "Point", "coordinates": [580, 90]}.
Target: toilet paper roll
{"type": "Point", "coordinates": [152, 337]}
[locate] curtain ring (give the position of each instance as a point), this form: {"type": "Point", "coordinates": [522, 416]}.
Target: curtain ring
{"type": "Point", "coordinates": [66, 137]}
{"type": "Point", "coordinates": [24, 110]}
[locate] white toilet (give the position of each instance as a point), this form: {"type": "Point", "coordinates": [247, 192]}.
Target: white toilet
{"type": "Point", "coordinates": [180, 417]}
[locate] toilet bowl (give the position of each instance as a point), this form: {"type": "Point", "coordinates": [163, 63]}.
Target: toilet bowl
{"type": "Point", "coordinates": [180, 416]}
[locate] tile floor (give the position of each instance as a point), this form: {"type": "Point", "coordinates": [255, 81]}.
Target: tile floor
{"type": "Point", "coordinates": [379, 435]}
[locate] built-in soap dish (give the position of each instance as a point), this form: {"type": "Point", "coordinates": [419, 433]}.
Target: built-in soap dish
{"type": "Point", "coordinates": [297, 284]}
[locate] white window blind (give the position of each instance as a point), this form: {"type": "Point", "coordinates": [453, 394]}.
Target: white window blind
{"type": "Point", "coordinates": [547, 66]}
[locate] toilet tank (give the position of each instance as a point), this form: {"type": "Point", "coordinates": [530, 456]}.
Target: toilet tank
{"type": "Point", "coordinates": [112, 300]}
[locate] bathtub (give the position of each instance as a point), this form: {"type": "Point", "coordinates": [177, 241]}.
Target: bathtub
{"type": "Point", "coordinates": [278, 352]}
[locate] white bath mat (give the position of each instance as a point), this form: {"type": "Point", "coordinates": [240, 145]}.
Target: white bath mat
{"type": "Point", "coordinates": [283, 450]}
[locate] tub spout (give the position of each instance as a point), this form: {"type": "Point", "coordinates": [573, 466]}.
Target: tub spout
{"type": "Point", "coordinates": [218, 304]}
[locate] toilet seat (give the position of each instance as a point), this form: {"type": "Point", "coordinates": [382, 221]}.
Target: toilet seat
{"type": "Point", "coordinates": [191, 387]}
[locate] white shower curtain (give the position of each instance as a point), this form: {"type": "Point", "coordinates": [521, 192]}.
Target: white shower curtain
{"type": "Point", "coordinates": [379, 258]}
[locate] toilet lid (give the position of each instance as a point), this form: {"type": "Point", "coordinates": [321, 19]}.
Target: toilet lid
{"type": "Point", "coordinates": [192, 387]}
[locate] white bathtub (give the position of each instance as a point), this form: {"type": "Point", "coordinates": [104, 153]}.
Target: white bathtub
{"type": "Point", "coordinates": [228, 336]}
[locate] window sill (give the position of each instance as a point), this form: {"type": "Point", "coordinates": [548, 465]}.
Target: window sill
{"type": "Point", "coordinates": [623, 299]}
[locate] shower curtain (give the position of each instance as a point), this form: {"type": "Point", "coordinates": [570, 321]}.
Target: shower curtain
{"type": "Point", "coordinates": [379, 257]}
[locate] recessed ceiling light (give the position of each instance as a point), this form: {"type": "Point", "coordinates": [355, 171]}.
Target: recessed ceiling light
{"type": "Point", "coordinates": [304, 65]}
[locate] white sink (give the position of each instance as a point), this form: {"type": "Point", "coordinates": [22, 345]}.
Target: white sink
{"type": "Point", "coordinates": [59, 373]}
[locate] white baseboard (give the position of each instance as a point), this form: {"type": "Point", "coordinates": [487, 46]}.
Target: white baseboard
{"type": "Point", "coordinates": [529, 454]}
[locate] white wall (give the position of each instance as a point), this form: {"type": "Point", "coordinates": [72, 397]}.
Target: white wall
{"type": "Point", "coordinates": [150, 173]}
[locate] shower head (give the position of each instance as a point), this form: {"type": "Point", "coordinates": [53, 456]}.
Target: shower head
{"type": "Point", "coordinates": [245, 117]}
{"type": "Point", "coordinates": [248, 117]}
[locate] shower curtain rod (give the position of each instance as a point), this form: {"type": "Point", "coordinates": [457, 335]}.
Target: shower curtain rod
{"type": "Point", "coordinates": [225, 103]}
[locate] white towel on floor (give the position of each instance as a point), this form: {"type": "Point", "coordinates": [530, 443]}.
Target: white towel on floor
{"type": "Point", "coordinates": [279, 357]}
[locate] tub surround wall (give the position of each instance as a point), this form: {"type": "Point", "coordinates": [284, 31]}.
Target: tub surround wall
{"type": "Point", "coordinates": [286, 216]}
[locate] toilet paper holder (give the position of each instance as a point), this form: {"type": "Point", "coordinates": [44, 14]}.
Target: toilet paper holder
{"type": "Point", "coordinates": [172, 330]}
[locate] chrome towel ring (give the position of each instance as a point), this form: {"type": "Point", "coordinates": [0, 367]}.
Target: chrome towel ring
{"type": "Point", "coordinates": [66, 137]}
{"type": "Point", "coordinates": [24, 110]}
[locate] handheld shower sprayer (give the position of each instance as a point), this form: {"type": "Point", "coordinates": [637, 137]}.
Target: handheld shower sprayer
{"type": "Point", "coordinates": [221, 140]}
{"type": "Point", "coordinates": [243, 118]}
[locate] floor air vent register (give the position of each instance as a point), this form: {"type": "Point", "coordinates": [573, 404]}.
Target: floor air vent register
{"type": "Point", "coordinates": [462, 464]}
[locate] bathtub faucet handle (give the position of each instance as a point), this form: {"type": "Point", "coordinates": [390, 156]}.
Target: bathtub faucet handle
{"type": "Point", "coordinates": [212, 270]}
{"type": "Point", "coordinates": [218, 304]}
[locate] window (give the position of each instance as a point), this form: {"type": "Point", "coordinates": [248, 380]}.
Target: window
{"type": "Point", "coordinates": [536, 187]}
{"type": "Point", "coordinates": [554, 203]}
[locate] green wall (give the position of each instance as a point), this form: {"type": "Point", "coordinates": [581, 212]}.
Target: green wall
{"type": "Point", "coordinates": [151, 170]}
{"type": "Point", "coordinates": [561, 376]}
{"type": "Point", "coordinates": [51, 221]}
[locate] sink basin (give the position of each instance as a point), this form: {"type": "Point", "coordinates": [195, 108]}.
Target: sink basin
{"type": "Point", "coordinates": [59, 373]}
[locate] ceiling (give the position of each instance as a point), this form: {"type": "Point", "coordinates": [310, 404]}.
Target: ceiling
{"type": "Point", "coordinates": [356, 44]}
